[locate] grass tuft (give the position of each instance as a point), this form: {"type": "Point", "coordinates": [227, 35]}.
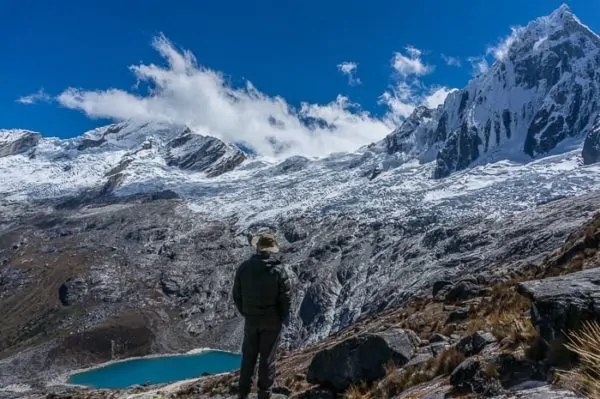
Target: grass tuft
{"type": "Point", "coordinates": [585, 379]}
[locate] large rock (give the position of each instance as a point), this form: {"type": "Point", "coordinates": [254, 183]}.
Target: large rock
{"type": "Point", "coordinates": [471, 376]}
{"type": "Point", "coordinates": [73, 291]}
{"type": "Point", "coordinates": [200, 153]}
{"type": "Point", "coordinates": [591, 145]}
{"type": "Point", "coordinates": [538, 391]}
{"type": "Point", "coordinates": [475, 343]}
{"type": "Point", "coordinates": [563, 303]}
{"type": "Point", "coordinates": [362, 358]}
{"type": "Point", "coordinates": [461, 290]}
{"type": "Point", "coordinates": [14, 142]}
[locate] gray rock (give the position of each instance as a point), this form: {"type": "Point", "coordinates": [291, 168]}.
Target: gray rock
{"type": "Point", "coordinates": [470, 377]}
{"type": "Point", "coordinates": [591, 145]}
{"type": "Point", "coordinates": [440, 285]}
{"type": "Point", "coordinates": [563, 303]}
{"type": "Point", "coordinates": [436, 337]}
{"type": "Point", "coordinates": [473, 344]}
{"type": "Point", "coordinates": [362, 358]}
{"type": "Point", "coordinates": [458, 314]}
{"type": "Point", "coordinates": [25, 143]}
{"type": "Point", "coordinates": [513, 371]}
{"type": "Point", "coordinates": [73, 291]}
{"type": "Point", "coordinates": [435, 389]}
{"type": "Point", "coordinates": [438, 347]}
{"type": "Point", "coordinates": [462, 290]}
{"type": "Point", "coordinates": [543, 391]}
{"type": "Point", "coordinates": [192, 151]}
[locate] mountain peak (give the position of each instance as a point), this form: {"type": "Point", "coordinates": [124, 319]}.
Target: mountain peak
{"type": "Point", "coordinates": [561, 13]}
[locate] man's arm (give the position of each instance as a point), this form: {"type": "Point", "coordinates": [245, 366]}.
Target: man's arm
{"type": "Point", "coordinates": [285, 294]}
{"type": "Point", "coordinates": [237, 291]}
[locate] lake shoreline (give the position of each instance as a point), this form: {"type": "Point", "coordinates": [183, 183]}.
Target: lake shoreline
{"type": "Point", "coordinates": [64, 378]}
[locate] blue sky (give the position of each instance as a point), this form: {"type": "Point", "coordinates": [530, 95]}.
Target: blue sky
{"type": "Point", "coordinates": [295, 50]}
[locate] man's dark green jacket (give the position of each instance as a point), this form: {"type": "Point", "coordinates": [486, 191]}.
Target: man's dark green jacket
{"type": "Point", "coordinates": [262, 291]}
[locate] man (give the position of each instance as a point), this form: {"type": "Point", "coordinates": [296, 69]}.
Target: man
{"type": "Point", "coordinates": [261, 292]}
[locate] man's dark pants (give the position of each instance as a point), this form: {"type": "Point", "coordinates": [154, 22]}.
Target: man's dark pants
{"type": "Point", "coordinates": [261, 341]}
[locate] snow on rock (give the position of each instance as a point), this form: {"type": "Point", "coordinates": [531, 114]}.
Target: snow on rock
{"type": "Point", "coordinates": [13, 142]}
{"type": "Point", "coordinates": [117, 153]}
{"type": "Point", "coordinates": [591, 146]}
{"type": "Point", "coordinates": [538, 100]}
{"type": "Point", "coordinates": [203, 153]}
{"type": "Point", "coordinates": [544, 89]}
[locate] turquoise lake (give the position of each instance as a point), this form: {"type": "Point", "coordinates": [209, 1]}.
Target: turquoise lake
{"type": "Point", "coordinates": [157, 370]}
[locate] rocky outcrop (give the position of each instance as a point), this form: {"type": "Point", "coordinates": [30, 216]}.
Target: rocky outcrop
{"type": "Point", "coordinates": [14, 142]}
{"type": "Point", "coordinates": [451, 292]}
{"type": "Point", "coordinates": [472, 377]}
{"type": "Point", "coordinates": [475, 343]}
{"type": "Point", "coordinates": [591, 145]}
{"type": "Point", "coordinates": [563, 303]}
{"type": "Point", "coordinates": [192, 151]}
{"type": "Point", "coordinates": [362, 358]}
{"type": "Point", "coordinates": [73, 291]}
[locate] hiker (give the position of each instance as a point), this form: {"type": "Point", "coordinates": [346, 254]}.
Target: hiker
{"type": "Point", "coordinates": [261, 292]}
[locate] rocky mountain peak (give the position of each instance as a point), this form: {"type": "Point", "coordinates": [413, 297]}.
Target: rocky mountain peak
{"type": "Point", "coordinates": [542, 90]}
{"type": "Point", "coordinates": [562, 14]}
{"type": "Point", "coordinates": [16, 141]}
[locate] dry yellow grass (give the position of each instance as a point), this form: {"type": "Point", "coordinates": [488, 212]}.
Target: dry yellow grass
{"type": "Point", "coordinates": [358, 392]}
{"type": "Point", "coordinates": [397, 381]}
{"type": "Point", "coordinates": [509, 320]}
{"type": "Point", "coordinates": [585, 379]}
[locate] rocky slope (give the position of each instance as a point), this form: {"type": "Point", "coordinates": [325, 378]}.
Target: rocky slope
{"type": "Point", "coordinates": [467, 345]}
{"type": "Point", "coordinates": [135, 229]}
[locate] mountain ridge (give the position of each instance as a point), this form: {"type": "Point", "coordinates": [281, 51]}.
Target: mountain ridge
{"type": "Point", "coordinates": [543, 90]}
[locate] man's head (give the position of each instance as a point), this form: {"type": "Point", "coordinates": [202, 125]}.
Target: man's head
{"type": "Point", "coordinates": [265, 244]}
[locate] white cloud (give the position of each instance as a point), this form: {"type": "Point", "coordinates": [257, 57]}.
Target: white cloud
{"type": "Point", "coordinates": [411, 64]}
{"type": "Point", "coordinates": [182, 91]}
{"type": "Point", "coordinates": [401, 100]}
{"type": "Point", "coordinates": [452, 61]}
{"type": "Point", "coordinates": [188, 93]}
{"type": "Point", "coordinates": [408, 92]}
{"type": "Point", "coordinates": [349, 69]}
{"type": "Point", "coordinates": [39, 96]}
{"type": "Point", "coordinates": [500, 50]}
{"type": "Point", "coordinates": [437, 96]}
{"type": "Point", "coordinates": [479, 64]}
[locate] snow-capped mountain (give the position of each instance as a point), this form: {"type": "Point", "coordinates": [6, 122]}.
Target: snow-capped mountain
{"type": "Point", "coordinates": [38, 167]}
{"type": "Point", "coordinates": [543, 90]}
{"type": "Point", "coordinates": [541, 98]}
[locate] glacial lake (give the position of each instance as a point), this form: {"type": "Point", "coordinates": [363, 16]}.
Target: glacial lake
{"type": "Point", "coordinates": [157, 370]}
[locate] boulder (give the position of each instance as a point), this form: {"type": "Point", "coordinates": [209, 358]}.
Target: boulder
{"type": "Point", "coordinates": [73, 291]}
{"type": "Point", "coordinates": [440, 285]}
{"type": "Point", "coordinates": [435, 337]}
{"type": "Point", "coordinates": [539, 391]}
{"type": "Point", "coordinates": [591, 145]}
{"type": "Point", "coordinates": [18, 142]}
{"type": "Point", "coordinates": [474, 343]}
{"type": "Point", "coordinates": [461, 290]}
{"type": "Point", "coordinates": [513, 370]}
{"type": "Point", "coordinates": [362, 358]}
{"type": "Point", "coordinates": [471, 376]}
{"type": "Point", "coordinates": [563, 303]}
{"type": "Point", "coordinates": [458, 314]}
